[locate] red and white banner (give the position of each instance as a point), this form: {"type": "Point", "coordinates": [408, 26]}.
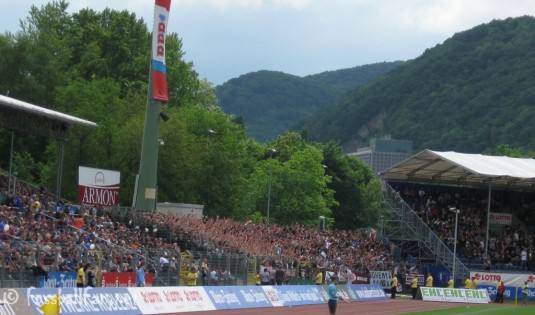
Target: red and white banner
{"type": "Point", "coordinates": [160, 300]}
{"type": "Point", "coordinates": [124, 279]}
{"type": "Point", "coordinates": [158, 68]}
{"type": "Point", "coordinates": [509, 279]}
{"type": "Point", "coordinates": [98, 187]}
{"type": "Point", "coordinates": [360, 278]}
{"type": "Point", "coordinates": [501, 218]}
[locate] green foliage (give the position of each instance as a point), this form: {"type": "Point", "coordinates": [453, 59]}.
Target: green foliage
{"type": "Point", "coordinates": [272, 102]}
{"type": "Point", "coordinates": [356, 189]}
{"type": "Point", "coordinates": [468, 94]}
{"type": "Point", "coordinates": [506, 150]}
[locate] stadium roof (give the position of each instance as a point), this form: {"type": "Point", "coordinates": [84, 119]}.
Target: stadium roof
{"type": "Point", "coordinates": [465, 169]}
{"type": "Point", "coordinates": [30, 109]}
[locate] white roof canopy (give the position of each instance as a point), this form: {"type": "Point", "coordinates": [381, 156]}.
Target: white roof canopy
{"type": "Point", "coordinates": [465, 169]}
{"type": "Point", "coordinates": [31, 109]}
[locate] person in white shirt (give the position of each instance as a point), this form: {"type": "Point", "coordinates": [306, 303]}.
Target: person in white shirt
{"type": "Point", "coordinates": [523, 258]}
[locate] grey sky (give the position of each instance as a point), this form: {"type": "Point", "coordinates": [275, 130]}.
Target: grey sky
{"type": "Point", "coordinates": [227, 38]}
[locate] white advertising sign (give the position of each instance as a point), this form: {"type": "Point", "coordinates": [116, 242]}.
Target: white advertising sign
{"type": "Point", "coordinates": [162, 300]}
{"type": "Point", "coordinates": [454, 295]}
{"type": "Point", "coordinates": [509, 279]}
{"type": "Point", "coordinates": [98, 186]}
{"type": "Point", "coordinates": [382, 278]}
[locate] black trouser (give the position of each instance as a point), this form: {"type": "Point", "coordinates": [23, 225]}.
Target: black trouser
{"type": "Point", "coordinates": [393, 294]}
{"type": "Point", "coordinates": [499, 298]}
{"type": "Point", "coordinates": [332, 306]}
{"type": "Point", "coordinates": [413, 291]}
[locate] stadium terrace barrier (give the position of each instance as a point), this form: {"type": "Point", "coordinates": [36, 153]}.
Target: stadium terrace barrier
{"type": "Point", "coordinates": [161, 300]}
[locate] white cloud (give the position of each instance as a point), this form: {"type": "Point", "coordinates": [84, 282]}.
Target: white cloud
{"type": "Point", "coordinates": [227, 38]}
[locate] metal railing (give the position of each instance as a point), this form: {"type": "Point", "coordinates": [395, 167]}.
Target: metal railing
{"type": "Point", "coordinates": [412, 222]}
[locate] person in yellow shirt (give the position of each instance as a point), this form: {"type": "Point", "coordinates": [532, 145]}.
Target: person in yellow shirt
{"type": "Point", "coordinates": [414, 286]}
{"type": "Point", "coordinates": [257, 278]}
{"type": "Point", "coordinates": [467, 283]}
{"type": "Point", "coordinates": [394, 286]}
{"type": "Point", "coordinates": [319, 278]}
{"type": "Point", "coordinates": [450, 283]}
{"type": "Point", "coordinates": [429, 280]}
{"type": "Point", "coordinates": [473, 284]}
{"type": "Point", "coordinates": [80, 276]}
{"type": "Point", "coordinates": [191, 278]}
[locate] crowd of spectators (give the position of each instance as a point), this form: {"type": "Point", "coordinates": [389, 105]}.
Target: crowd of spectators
{"type": "Point", "coordinates": [356, 250]}
{"type": "Point", "coordinates": [39, 233]}
{"type": "Point", "coordinates": [511, 246]}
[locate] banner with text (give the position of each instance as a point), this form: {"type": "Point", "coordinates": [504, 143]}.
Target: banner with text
{"type": "Point", "coordinates": [501, 218]}
{"type": "Point", "coordinates": [162, 300]}
{"type": "Point", "coordinates": [454, 295]}
{"type": "Point", "coordinates": [290, 295]}
{"type": "Point", "coordinates": [158, 67]}
{"type": "Point", "coordinates": [85, 301]}
{"type": "Point", "coordinates": [509, 279]}
{"type": "Point", "coordinates": [98, 186]}
{"type": "Point", "coordinates": [124, 279]}
{"type": "Point", "coordinates": [166, 300]}
{"type": "Point", "coordinates": [368, 292]}
{"type": "Point", "coordinates": [382, 278]}
{"type": "Point", "coordinates": [58, 280]}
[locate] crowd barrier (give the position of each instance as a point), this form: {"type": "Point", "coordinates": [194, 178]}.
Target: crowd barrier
{"type": "Point", "coordinates": [161, 300]}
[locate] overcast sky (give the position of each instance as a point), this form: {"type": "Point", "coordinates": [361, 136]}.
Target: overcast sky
{"type": "Point", "coordinates": [227, 38]}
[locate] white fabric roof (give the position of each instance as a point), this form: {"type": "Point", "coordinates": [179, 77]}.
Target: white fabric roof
{"type": "Point", "coordinates": [467, 169]}
{"type": "Point", "coordinates": [41, 111]}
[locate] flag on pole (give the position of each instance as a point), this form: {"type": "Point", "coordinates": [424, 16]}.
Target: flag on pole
{"type": "Point", "coordinates": [51, 307]}
{"type": "Point", "coordinates": [158, 69]}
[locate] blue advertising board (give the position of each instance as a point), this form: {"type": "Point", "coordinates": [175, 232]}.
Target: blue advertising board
{"type": "Point", "coordinates": [232, 297]}
{"type": "Point", "coordinates": [85, 301]}
{"type": "Point", "coordinates": [291, 295]}
{"type": "Point", "coordinates": [368, 292]}
{"type": "Point", "coordinates": [511, 293]}
{"type": "Point", "coordinates": [58, 280]}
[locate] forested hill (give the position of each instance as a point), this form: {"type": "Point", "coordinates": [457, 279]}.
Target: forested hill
{"type": "Point", "coordinates": [271, 102]}
{"type": "Point", "coordinates": [469, 94]}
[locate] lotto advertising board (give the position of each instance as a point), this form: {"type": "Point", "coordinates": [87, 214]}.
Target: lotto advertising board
{"type": "Point", "coordinates": [509, 279]}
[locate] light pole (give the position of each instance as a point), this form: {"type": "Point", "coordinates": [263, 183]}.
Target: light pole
{"type": "Point", "coordinates": [271, 152]}
{"type": "Point", "coordinates": [456, 211]}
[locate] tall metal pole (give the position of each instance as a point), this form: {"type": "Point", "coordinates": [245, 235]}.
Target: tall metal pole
{"type": "Point", "coordinates": [9, 189]}
{"type": "Point", "coordinates": [146, 190]}
{"type": "Point", "coordinates": [269, 185]}
{"type": "Point", "coordinates": [488, 222]}
{"type": "Point", "coordinates": [455, 242]}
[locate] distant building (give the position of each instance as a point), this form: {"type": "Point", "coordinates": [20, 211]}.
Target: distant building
{"type": "Point", "coordinates": [384, 153]}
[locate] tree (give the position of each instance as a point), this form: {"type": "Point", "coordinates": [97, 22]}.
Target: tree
{"type": "Point", "coordinates": [356, 189]}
